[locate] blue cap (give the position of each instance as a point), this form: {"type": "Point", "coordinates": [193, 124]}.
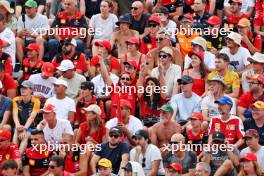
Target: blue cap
{"type": "Point", "coordinates": [224, 100]}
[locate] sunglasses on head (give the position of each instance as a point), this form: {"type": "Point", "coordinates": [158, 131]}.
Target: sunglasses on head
{"type": "Point", "coordinates": [114, 136]}
{"type": "Point", "coordinates": [134, 8]}
{"type": "Point", "coordinates": [159, 39]}
{"type": "Point", "coordinates": [153, 25]}
{"type": "Point", "coordinates": [124, 78]}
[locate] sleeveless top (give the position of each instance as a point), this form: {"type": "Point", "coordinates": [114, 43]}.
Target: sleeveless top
{"type": "Point", "coordinates": [139, 62]}
{"type": "Point", "coordinates": [97, 135]}
{"type": "Point", "coordinates": [198, 85]}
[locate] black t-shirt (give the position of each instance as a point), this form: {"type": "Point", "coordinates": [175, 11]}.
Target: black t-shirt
{"type": "Point", "coordinates": [216, 42]}
{"type": "Point", "coordinates": [250, 124]}
{"type": "Point", "coordinates": [113, 154]}
{"type": "Point", "coordinates": [201, 21]}
{"type": "Point", "coordinates": [92, 7]}
{"type": "Point", "coordinates": [139, 25]}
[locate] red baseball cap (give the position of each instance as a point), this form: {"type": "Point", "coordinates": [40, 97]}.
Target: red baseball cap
{"type": "Point", "coordinates": [133, 40]}
{"type": "Point", "coordinates": [197, 115]}
{"type": "Point", "coordinates": [214, 20]}
{"type": "Point", "coordinates": [5, 134]}
{"type": "Point", "coordinates": [154, 19]}
{"type": "Point", "coordinates": [126, 103]}
{"type": "Point", "coordinates": [47, 69]}
{"type": "Point", "coordinates": [48, 108]}
{"type": "Point", "coordinates": [248, 157]}
{"type": "Point", "coordinates": [197, 53]}
{"type": "Point", "coordinates": [251, 133]}
{"type": "Point", "coordinates": [132, 63]}
{"type": "Point", "coordinates": [187, 16]}
{"type": "Point", "coordinates": [32, 46]}
{"type": "Point", "coordinates": [176, 166]}
{"type": "Point", "coordinates": [104, 43]}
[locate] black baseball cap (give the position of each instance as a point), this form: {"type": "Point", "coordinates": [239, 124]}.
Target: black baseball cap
{"type": "Point", "coordinates": [163, 10]}
{"type": "Point", "coordinates": [141, 133]}
{"type": "Point", "coordinates": [116, 130]}
{"type": "Point", "coordinates": [87, 85]}
{"type": "Point", "coordinates": [218, 136]}
{"type": "Point", "coordinates": [185, 80]}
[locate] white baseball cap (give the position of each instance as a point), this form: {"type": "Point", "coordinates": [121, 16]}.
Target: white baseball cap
{"type": "Point", "coordinates": [93, 108]}
{"type": "Point", "coordinates": [61, 82]}
{"type": "Point", "coordinates": [1, 85]}
{"type": "Point", "coordinates": [65, 65]}
{"type": "Point", "coordinates": [236, 37]}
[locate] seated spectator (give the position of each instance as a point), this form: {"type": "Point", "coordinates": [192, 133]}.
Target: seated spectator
{"type": "Point", "coordinates": [120, 37]}
{"type": "Point", "coordinates": [215, 39]}
{"type": "Point", "coordinates": [223, 122]}
{"type": "Point", "coordinates": [6, 108]}
{"type": "Point", "coordinates": [147, 154]}
{"type": "Point", "coordinates": [35, 157]}
{"type": "Point", "coordinates": [25, 110]}
{"type": "Point", "coordinates": [129, 123]}
{"type": "Point", "coordinates": [238, 55]}
{"type": "Point", "coordinates": [65, 106]}
{"type": "Point", "coordinates": [231, 78]}
{"type": "Point", "coordinates": [69, 52]}
{"type": "Point", "coordinates": [257, 62]}
{"type": "Point", "coordinates": [252, 141]}
{"type": "Point", "coordinates": [31, 27]}
{"type": "Point", "coordinates": [72, 78]}
{"type": "Point", "coordinates": [104, 51]}
{"type": "Point", "coordinates": [56, 167]}
{"type": "Point", "coordinates": [250, 40]}
{"type": "Point", "coordinates": [8, 13]}
{"type": "Point", "coordinates": [40, 6]}
{"type": "Point", "coordinates": [202, 169]}
{"type": "Point", "coordinates": [200, 14]}
{"type": "Point", "coordinates": [187, 98]}
{"type": "Point", "coordinates": [52, 126]}
{"type": "Point", "coordinates": [33, 63]}
{"type": "Point", "coordinates": [174, 169]}
{"type": "Point", "coordinates": [161, 132]}
{"type": "Point", "coordinates": [76, 161]}
{"type": "Point", "coordinates": [257, 120]}
{"type": "Point", "coordinates": [8, 150]}
{"type": "Point", "coordinates": [8, 83]}
{"type": "Point", "coordinates": [9, 168]}
{"type": "Point", "coordinates": [85, 98]}
{"type": "Point", "coordinates": [186, 158]}
{"type": "Point", "coordinates": [250, 165]}
{"type": "Point", "coordinates": [216, 90]}
{"type": "Point", "coordinates": [171, 72]}
{"type": "Point", "coordinates": [114, 150]}
{"type": "Point", "coordinates": [5, 59]}
{"type": "Point", "coordinates": [43, 83]}
{"type": "Point", "coordinates": [133, 168]}
{"type": "Point", "coordinates": [247, 99]}
{"type": "Point", "coordinates": [259, 16]}
{"type": "Point", "coordinates": [72, 19]}
{"type": "Point", "coordinates": [130, 67]}
{"type": "Point", "coordinates": [104, 168]}
{"type": "Point", "coordinates": [198, 71]}
{"type": "Point", "coordinates": [199, 45]}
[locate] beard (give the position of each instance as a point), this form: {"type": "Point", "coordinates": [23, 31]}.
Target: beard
{"type": "Point", "coordinates": [67, 52]}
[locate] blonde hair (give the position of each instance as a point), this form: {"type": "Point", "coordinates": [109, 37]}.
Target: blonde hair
{"type": "Point", "coordinates": [257, 169]}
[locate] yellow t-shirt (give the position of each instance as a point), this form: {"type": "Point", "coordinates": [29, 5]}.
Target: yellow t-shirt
{"type": "Point", "coordinates": [231, 80]}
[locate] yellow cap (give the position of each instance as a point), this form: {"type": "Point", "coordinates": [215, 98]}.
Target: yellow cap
{"type": "Point", "coordinates": [244, 22]}
{"type": "Point", "coordinates": [259, 104]}
{"type": "Point", "coordinates": [105, 163]}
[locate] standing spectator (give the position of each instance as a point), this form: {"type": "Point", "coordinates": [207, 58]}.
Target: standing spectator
{"type": "Point", "coordinates": [231, 78]}
{"type": "Point", "coordinates": [33, 63]}
{"type": "Point", "coordinates": [200, 14]}
{"type": "Point", "coordinates": [92, 7]}
{"type": "Point", "coordinates": [250, 40]}
{"type": "Point", "coordinates": [147, 154]}
{"type": "Point", "coordinates": [40, 5]}
{"type": "Point", "coordinates": [174, 169]}
{"type": "Point", "coordinates": [6, 108]}
{"type": "Point", "coordinates": [166, 71]}
{"type": "Point", "coordinates": [250, 165]}
{"type": "Point", "coordinates": [257, 120]}
{"type": "Point", "coordinates": [8, 83]}
{"type": "Point", "coordinates": [202, 169]}
{"type": "Point", "coordinates": [70, 19]}
{"type": "Point", "coordinates": [31, 29]}
{"type": "Point", "coordinates": [230, 125]}
{"type": "Point", "coordinates": [257, 62]}
{"type": "Point", "coordinates": [104, 168]}
{"type": "Point", "coordinates": [138, 17]}
{"type": "Point", "coordinates": [114, 150]}
{"type": "Point", "coordinates": [72, 78]}
{"type": "Point", "coordinates": [259, 16]}
{"type": "Point", "coordinates": [56, 167]}
{"type": "Point", "coordinates": [120, 37]}
{"type": "Point", "coordinates": [65, 106]}
{"type": "Point", "coordinates": [187, 98]}
{"type": "Point", "coordinates": [52, 126]}
{"type": "Point", "coordinates": [9, 168]}
{"type": "Point", "coordinates": [252, 141]}
{"type": "Point", "coordinates": [5, 59]}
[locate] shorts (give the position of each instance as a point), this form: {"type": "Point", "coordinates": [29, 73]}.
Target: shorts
{"type": "Point", "coordinates": [259, 19]}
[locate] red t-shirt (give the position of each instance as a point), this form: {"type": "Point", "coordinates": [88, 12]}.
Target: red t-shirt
{"type": "Point", "coordinates": [7, 61]}
{"type": "Point", "coordinates": [146, 111]}
{"type": "Point", "coordinates": [231, 18]}
{"type": "Point", "coordinates": [8, 83]}
{"type": "Point", "coordinates": [246, 100]}
{"type": "Point", "coordinates": [114, 63]}
{"type": "Point", "coordinates": [255, 40]}
{"type": "Point", "coordinates": [29, 70]}
{"type": "Point", "coordinates": [97, 136]}
{"type": "Point", "coordinates": [146, 47]}
{"type": "Point", "coordinates": [232, 128]}
{"type": "Point", "coordinates": [72, 164]}
{"type": "Point", "coordinates": [196, 139]}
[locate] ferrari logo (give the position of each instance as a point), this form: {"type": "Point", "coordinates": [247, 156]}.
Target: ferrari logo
{"type": "Point", "coordinates": [46, 153]}
{"type": "Point", "coordinates": [217, 127]}
{"type": "Point", "coordinates": [32, 162]}
{"type": "Point", "coordinates": [63, 21]}
{"type": "Point", "coordinates": [7, 156]}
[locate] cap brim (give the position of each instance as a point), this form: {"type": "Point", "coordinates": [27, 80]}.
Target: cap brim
{"type": "Point", "coordinates": [62, 69]}
{"type": "Point", "coordinates": [218, 139]}
{"type": "Point", "coordinates": [44, 111]}
{"type": "Point", "coordinates": [48, 74]}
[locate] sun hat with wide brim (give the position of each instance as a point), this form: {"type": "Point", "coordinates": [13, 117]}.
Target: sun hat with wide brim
{"type": "Point", "coordinates": [6, 5]}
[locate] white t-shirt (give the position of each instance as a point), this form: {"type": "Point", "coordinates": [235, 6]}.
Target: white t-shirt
{"type": "Point", "coordinates": [74, 85]}
{"type": "Point", "coordinates": [103, 28]}
{"type": "Point", "coordinates": [42, 87]}
{"type": "Point", "coordinates": [63, 106]}
{"type": "Point", "coordinates": [152, 154]}
{"type": "Point", "coordinates": [171, 77]}
{"type": "Point", "coordinates": [209, 60]}
{"type": "Point", "coordinates": [238, 61]}
{"type": "Point", "coordinates": [245, 5]}
{"type": "Point", "coordinates": [259, 154]}
{"type": "Point", "coordinates": [54, 135]}
{"type": "Point", "coordinates": [171, 28]}
{"type": "Point", "coordinates": [8, 36]}
{"type": "Point", "coordinates": [100, 86]}
{"type": "Point", "coordinates": [209, 104]}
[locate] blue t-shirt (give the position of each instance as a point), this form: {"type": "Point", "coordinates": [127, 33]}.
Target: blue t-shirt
{"type": "Point", "coordinates": [113, 154]}
{"type": "Point", "coordinates": [5, 105]}
{"type": "Point", "coordinates": [250, 124]}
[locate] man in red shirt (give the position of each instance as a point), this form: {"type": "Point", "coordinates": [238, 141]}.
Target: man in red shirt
{"type": "Point", "coordinates": [9, 84]}
{"type": "Point", "coordinates": [250, 40]}
{"type": "Point", "coordinates": [230, 125]}
{"type": "Point", "coordinates": [8, 150]}
{"type": "Point", "coordinates": [259, 15]}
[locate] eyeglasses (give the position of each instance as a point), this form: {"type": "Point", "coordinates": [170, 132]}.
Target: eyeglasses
{"type": "Point", "coordinates": [174, 142]}
{"type": "Point", "coordinates": [143, 162]}
{"type": "Point", "coordinates": [211, 25]}
{"type": "Point", "coordinates": [102, 168]}
{"type": "Point", "coordinates": [159, 39]}
{"type": "Point", "coordinates": [52, 166]}
{"type": "Point", "coordinates": [193, 119]}
{"type": "Point", "coordinates": [172, 171]}
{"type": "Point", "coordinates": [257, 83]}
{"type": "Point", "coordinates": [163, 56]}
{"type": "Point", "coordinates": [153, 25]}
{"type": "Point", "coordinates": [134, 8]}
{"type": "Point", "coordinates": [124, 78]}
{"type": "Point", "coordinates": [114, 136]}
{"type": "Point", "coordinates": [3, 140]}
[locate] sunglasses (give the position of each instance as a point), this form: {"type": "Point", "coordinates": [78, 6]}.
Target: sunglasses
{"type": "Point", "coordinates": [134, 8]}
{"type": "Point", "coordinates": [254, 62]}
{"type": "Point", "coordinates": [143, 162]}
{"type": "Point", "coordinates": [3, 140]}
{"type": "Point", "coordinates": [174, 142]}
{"type": "Point", "coordinates": [256, 83]}
{"type": "Point", "coordinates": [163, 56]}
{"type": "Point", "coordinates": [52, 166]}
{"type": "Point", "coordinates": [172, 171]}
{"type": "Point", "coordinates": [124, 78]}
{"type": "Point", "coordinates": [114, 136]}
{"type": "Point", "coordinates": [159, 39]}
{"type": "Point", "coordinates": [193, 119]}
{"type": "Point", "coordinates": [153, 25]}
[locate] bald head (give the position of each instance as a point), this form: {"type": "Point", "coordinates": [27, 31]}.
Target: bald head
{"type": "Point", "coordinates": [137, 8]}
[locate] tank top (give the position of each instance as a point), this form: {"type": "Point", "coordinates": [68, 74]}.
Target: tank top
{"type": "Point", "coordinates": [139, 61]}
{"type": "Point", "coordinates": [198, 85]}
{"type": "Point", "coordinates": [97, 135]}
